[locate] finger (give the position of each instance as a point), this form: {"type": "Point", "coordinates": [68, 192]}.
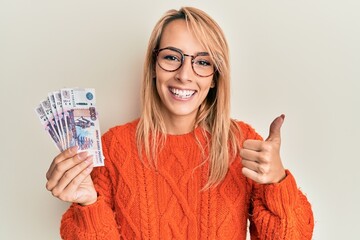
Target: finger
{"type": "Point", "coordinates": [62, 167]}
{"type": "Point", "coordinates": [255, 145]}
{"type": "Point", "coordinates": [274, 132]}
{"type": "Point", "coordinates": [70, 175]}
{"type": "Point", "coordinates": [61, 157]}
{"type": "Point", "coordinates": [73, 192]}
{"type": "Point", "coordinates": [250, 165]}
{"type": "Point", "coordinates": [249, 155]}
{"type": "Point", "coordinates": [259, 178]}
{"type": "Point", "coordinates": [250, 174]}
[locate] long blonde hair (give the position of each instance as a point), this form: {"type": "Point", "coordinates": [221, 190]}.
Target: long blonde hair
{"type": "Point", "coordinates": [213, 114]}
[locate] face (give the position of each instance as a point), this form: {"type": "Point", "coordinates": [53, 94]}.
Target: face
{"type": "Point", "coordinates": [181, 91]}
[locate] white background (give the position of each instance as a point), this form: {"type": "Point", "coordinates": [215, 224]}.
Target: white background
{"type": "Point", "coordinates": [301, 58]}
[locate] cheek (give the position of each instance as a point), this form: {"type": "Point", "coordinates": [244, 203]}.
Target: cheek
{"type": "Point", "coordinates": [160, 75]}
{"type": "Point", "coordinates": [207, 84]}
{"type": "Point", "coordinates": [158, 78]}
{"type": "Point", "coordinates": [160, 81]}
{"type": "Point", "coordinates": [208, 89]}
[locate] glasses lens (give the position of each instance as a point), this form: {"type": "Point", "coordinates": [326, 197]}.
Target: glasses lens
{"type": "Point", "coordinates": [169, 60]}
{"type": "Point", "coordinates": [203, 65]}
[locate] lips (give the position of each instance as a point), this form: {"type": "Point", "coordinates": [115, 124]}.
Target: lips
{"type": "Point", "coordinates": [183, 94]}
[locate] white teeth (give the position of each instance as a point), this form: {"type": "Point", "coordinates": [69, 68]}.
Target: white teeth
{"type": "Point", "coordinates": [182, 93]}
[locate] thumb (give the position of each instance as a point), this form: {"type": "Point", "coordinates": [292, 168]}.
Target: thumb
{"type": "Point", "coordinates": [274, 133]}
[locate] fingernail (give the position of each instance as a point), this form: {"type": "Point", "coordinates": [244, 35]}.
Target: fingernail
{"type": "Point", "coordinates": [73, 149]}
{"type": "Point", "coordinates": [89, 159]}
{"type": "Point", "coordinates": [82, 155]}
{"type": "Point", "coordinates": [89, 168]}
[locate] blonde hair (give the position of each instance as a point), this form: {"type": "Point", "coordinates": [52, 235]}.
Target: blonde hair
{"type": "Point", "coordinates": [213, 114]}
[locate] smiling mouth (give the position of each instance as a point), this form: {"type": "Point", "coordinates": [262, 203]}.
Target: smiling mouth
{"type": "Point", "coordinates": [183, 94]}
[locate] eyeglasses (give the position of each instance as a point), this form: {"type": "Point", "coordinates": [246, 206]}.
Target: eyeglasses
{"type": "Point", "coordinates": [171, 59]}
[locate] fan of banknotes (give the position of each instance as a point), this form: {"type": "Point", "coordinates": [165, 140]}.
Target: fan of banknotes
{"type": "Point", "coordinates": [70, 118]}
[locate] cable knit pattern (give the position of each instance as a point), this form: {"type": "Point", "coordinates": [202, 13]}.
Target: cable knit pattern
{"type": "Point", "coordinates": [138, 202]}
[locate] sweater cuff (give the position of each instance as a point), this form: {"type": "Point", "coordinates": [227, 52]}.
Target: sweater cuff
{"type": "Point", "coordinates": [281, 197]}
{"type": "Point", "coordinates": [93, 217]}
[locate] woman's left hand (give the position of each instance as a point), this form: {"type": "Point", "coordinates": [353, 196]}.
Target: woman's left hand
{"type": "Point", "coordinates": [261, 159]}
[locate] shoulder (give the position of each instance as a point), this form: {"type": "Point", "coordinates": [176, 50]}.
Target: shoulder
{"type": "Point", "coordinates": [246, 130]}
{"type": "Point", "coordinates": [124, 134]}
{"type": "Point", "coordinates": [121, 130]}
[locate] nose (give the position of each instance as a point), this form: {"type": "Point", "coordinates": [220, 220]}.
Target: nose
{"type": "Point", "coordinates": [185, 72]}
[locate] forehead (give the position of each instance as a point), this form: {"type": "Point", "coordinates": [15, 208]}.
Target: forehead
{"type": "Point", "coordinates": [177, 34]}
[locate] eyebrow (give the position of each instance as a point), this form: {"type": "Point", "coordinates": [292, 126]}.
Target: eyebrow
{"type": "Point", "coordinates": [196, 54]}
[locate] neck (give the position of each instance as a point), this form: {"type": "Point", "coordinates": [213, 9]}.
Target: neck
{"type": "Point", "coordinates": [179, 125]}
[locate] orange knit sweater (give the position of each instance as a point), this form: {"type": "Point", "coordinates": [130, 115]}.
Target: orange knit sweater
{"type": "Point", "coordinates": [137, 202]}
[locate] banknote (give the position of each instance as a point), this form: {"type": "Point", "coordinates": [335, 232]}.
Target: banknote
{"type": "Point", "coordinates": [71, 119]}
{"type": "Point", "coordinates": [46, 106]}
{"type": "Point", "coordinates": [61, 119]}
{"type": "Point", "coordinates": [85, 118]}
{"type": "Point", "coordinates": [68, 109]}
{"type": "Point", "coordinates": [48, 126]}
{"type": "Point", "coordinates": [56, 119]}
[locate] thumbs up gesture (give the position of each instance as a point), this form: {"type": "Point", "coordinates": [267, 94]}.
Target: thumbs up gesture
{"type": "Point", "coordinates": [261, 159]}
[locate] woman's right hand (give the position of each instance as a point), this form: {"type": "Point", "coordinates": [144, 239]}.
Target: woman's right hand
{"type": "Point", "coordinates": [69, 177]}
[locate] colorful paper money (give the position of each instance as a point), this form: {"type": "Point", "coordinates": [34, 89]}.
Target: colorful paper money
{"type": "Point", "coordinates": [70, 118]}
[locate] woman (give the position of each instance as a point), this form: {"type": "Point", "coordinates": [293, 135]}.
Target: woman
{"type": "Point", "coordinates": [184, 170]}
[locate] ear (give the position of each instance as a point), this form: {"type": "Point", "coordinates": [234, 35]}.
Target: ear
{"type": "Point", "coordinates": [212, 84]}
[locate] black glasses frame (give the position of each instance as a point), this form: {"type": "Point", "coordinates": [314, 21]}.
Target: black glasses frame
{"type": "Point", "coordinates": [183, 55]}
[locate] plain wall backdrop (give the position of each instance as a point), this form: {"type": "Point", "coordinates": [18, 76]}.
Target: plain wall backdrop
{"type": "Point", "coordinates": [301, 58]}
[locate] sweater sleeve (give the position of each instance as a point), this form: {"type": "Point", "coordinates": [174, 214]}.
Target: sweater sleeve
{"type": "Point", "coordinates": [278, 211]}
{"type": "Point", "coordinates": [95, 221]}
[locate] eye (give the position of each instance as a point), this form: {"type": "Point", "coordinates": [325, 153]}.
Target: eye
{"type": "Point", "coordinates": [203, 63]}
{"type": "Point", "coordinates": [171, 58]}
